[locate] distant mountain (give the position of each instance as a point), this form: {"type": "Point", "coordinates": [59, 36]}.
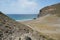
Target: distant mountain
{"type": "Point", "coordinates": [12, 30]}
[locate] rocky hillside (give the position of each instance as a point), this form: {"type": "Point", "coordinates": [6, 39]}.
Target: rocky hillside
{"type": "Point", "coordinates": [48, 21]}
{"type": "Point", "coordinates": [12, 30]}
{"type": "Point", "coordinates": [53, 9]}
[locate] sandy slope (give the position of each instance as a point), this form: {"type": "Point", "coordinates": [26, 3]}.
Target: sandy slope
{"type": "Point", "coordinates": [48, 25]}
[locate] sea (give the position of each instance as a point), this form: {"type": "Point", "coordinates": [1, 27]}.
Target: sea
{"type": "Point", "coordinates": [22, 17]}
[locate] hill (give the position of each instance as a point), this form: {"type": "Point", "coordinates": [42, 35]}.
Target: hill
{"type": "Point", "coordinates": [48, 21]}
{"type": "Point", "coordinates": [53, 9]}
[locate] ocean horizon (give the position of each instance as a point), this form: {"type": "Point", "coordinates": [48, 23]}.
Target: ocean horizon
{"type": "Point", "coordinates": [22, 17]}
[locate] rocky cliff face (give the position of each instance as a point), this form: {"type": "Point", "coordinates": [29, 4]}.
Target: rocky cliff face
{"type": "Point", "coordinates": [53, 9]}
{"type": "Point", "coordinates": [12, 30]}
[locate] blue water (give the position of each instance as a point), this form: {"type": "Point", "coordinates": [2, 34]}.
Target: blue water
{"type": "Point", "coordinates": [22, 16]}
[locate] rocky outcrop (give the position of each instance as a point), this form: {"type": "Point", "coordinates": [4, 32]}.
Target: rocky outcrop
{"type": "Point", "coordinates": [12, 30]}
{"type": "Point", "coordinates": [53, 9]}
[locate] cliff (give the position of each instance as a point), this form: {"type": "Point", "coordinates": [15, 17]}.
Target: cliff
{"type": "Point", "coordinates": [12, 30]}
{"type": "Point", "coordinates": [53, 9]}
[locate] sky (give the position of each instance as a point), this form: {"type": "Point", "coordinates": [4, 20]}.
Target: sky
{"type": "Point", "coordinates": [24, 6]}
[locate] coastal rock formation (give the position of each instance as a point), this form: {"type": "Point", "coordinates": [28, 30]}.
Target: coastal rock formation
{"type": "Point", "coordinates": [12, 30]}
{"type": "Point", "coordinates": [53, 9]}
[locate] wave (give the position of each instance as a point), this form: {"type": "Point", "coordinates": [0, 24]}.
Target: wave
{"type": "Point", "coordinates": [24, 20]}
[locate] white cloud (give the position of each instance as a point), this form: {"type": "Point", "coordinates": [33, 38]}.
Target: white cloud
{"type": "Point", "coordinates": [19, 6]}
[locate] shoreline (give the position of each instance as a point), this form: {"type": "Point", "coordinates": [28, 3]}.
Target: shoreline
{"type": "Point", "coordinates": [24, 20]}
